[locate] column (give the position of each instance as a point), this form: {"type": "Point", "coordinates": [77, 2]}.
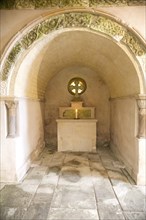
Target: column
{"type": "Point", "coordinates": [11, 107]}
{"type": "Point", "coordinates": [141, 147]}
{"type": "Point", "coordinates": [141, 101]}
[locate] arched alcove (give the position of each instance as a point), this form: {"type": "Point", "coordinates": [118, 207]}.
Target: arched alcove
{"type": "Point", "coordinates": [76, 47]}
{"type": "Point", "coordinates": [43, 56]}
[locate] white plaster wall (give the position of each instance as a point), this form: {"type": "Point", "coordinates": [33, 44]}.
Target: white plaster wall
{"type": "Point", "coordinates": [7, 149]}
{"type": "Point", "coordinates": [30, 141]}
{"type": "Point", "coordinates": [96, 95]}
{"type": "Point", "coordinates": [18, 153]}
{"type": "Point", "coordinates": [124, 118]}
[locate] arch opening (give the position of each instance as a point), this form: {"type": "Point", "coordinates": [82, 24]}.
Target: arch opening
{"type": "Point", "coordinates": [111, 70]}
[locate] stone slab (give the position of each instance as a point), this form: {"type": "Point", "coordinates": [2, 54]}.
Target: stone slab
{"type": "Point", "coordinates": [76, 160]}
{"type": "Point", "coordinates": [117, 177]}
{"type": "Point", "coordinates": [104, 190]}
{"type": "Point", "coordinates": [110, 209]}
{"type": "Point", "coordinates": [44, 194]}
{"type": "Point", "coordinates": [75, 176]}
{"type": "Point", "coordinates": [13, 196]}
{"type": "Point", "coordinates": [94, 157]}
{"type": "Point", "coordinates": [9, 213]}
{"type": "Point", "coordinates": [72, 214]}
{"type": "Point", "coordinates": [37, 212]}
{"type": "Point", "coordinates": [135, 215]}
{"type": "Point", "coordinates": [35, 175]}
{"type": "Point", "coordinates": [130, 197]}
{"type": "Point", "coordinates": [72, 197]}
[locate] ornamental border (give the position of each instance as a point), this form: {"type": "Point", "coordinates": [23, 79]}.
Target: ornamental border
{"type": "Point", "coordinates": [49, 4]}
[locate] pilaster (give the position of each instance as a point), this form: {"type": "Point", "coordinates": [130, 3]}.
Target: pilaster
{"type": "Point", "coordinates": [141, 101]}
{"type": "Point", "coordinates": [141, 147]}
{"type": "Point", "coordinates": [11, 107]}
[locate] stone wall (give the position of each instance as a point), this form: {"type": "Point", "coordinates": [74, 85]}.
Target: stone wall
{"type": "Point", "coordinates": [96, 95]}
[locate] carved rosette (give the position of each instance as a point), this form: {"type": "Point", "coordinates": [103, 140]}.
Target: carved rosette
{"type": "Point", "coordinates": [81, 19]}
{"type": "Point", "coordinates": [11, 107]}
{"type": "Point", "coordinates": [141, 101]}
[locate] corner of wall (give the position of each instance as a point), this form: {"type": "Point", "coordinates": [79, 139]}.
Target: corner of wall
{"type": "Point", "coordinates": [128, 167]}
{"type": "Point", "coordinates": [20, 173]}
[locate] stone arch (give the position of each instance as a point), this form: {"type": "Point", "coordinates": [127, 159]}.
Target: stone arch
{"type": "Point", "coordinates": [97, 22]}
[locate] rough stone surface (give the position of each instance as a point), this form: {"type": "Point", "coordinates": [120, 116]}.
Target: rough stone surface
{"type": "Point", "coordinates": [73, 186]}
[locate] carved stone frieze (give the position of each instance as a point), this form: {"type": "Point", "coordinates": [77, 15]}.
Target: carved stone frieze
{"type": "Point", "coordinates": [35, 4]}
{"type": "Point", "coordinates": [5, 70]}
{"type": "Point", "coordinates": [73, 3]}
{"type": "Point", "coordinates": [77, 19]}
{"type": "Point", "coordinates": [10, 60]}
{"type": "Point", "coordinates": [20, 4]}
{"type": "Point", "coordinates": [95, 22]}
{"type": "Point", "coordinates": [107, 26]}
{"type": "Point", "coordinates": [29, 38]}
{"type": "Point", "coordinates": [133, 43]}
{"type": "Point", "coordinates": [108, 2]}
{"type": "Point", "coordinates": [136, 2]}
{"type": "Point", "coordinates": [14, 52]}
{"type": "Point", "coordinates": [55, 23]}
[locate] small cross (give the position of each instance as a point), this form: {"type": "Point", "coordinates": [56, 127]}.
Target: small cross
{"type": "Point", "coordinates": [77, 86]}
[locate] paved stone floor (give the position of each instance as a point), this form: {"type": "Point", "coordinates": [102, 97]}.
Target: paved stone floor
{"type": "Point", "coordinates": [74, 186]}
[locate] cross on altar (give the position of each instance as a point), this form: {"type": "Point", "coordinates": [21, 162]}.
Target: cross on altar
{"type": "Point", "coordinates": [76, 87]}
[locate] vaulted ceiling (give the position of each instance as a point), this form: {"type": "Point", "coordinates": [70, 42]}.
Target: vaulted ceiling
{"type": "Point", "coordinates": [76, 48]}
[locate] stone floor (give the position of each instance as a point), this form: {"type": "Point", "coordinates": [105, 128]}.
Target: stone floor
{"type": "Point", "coordinates": [74, 186]}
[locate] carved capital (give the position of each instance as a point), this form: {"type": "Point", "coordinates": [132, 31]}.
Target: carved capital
{"type": "Point", "coordinates": [141, 101]}
{"type": "Point", "coordinates": [11, 104]}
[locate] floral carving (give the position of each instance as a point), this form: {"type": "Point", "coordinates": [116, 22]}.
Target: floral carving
{"type": "Point", "coordinates": [42, 3]}
{"type": "Point", "coordinates": [72, 3]}
{"type": "Point", "coordinates": [136, 2]}
{"type": "Point", "coordinates": [5, 71]}
{"type": "Point", "coordinates": [133, 43]}
{"type": "Point", "coordinates": [35, 4]}
{"type": "Point", "coordinates": [20, 4]}
{"type": "Point", "coordinates": [107, 2]}
{"type": "Point", "coordinates": [13, 54]}
{"type": "Point", "coordinates": [77, 19]}
{"type": "Point", "coordinates": [29, 38]}
{"type": "Point", "coordinates": [107, 26]}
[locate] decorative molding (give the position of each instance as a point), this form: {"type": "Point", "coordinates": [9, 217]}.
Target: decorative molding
{"type": "Point", "coordinates": [42, 4]}
{"type": "Point", "coordinates": [97, 22]}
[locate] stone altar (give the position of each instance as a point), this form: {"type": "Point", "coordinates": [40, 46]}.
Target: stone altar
{"type": "Point", "coordinates": [76, 128]}
{"type": "Point", "coordinates": [76, 135]}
